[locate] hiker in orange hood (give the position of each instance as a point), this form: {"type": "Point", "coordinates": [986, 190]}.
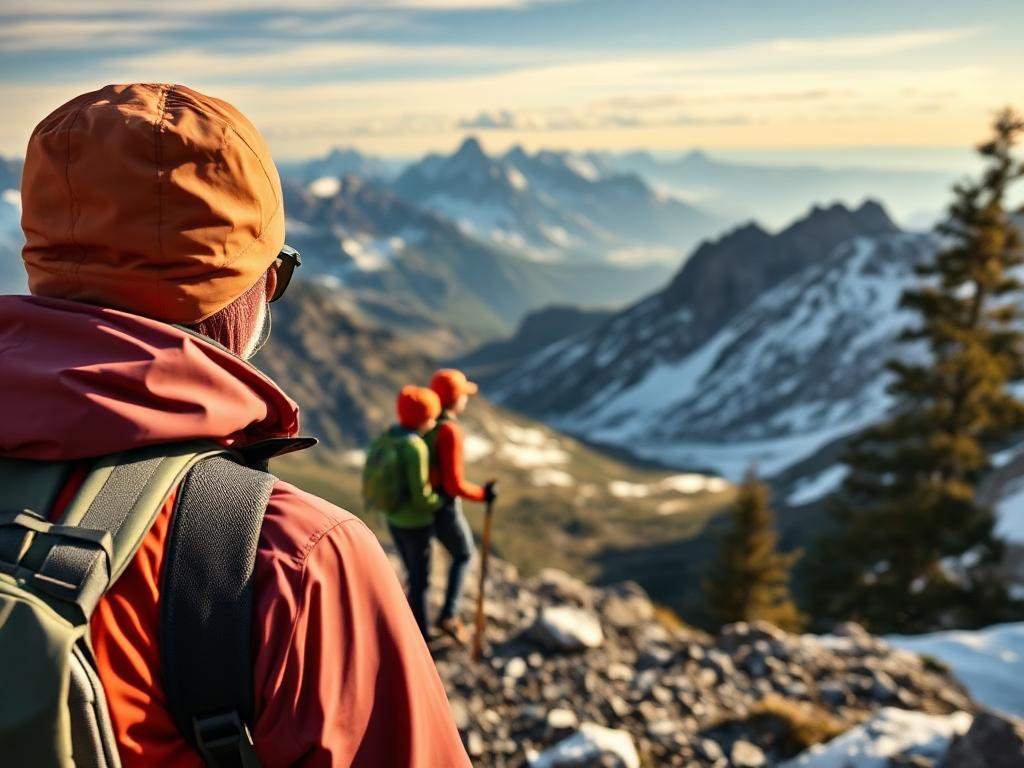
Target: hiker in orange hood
{"type": "Point", "coordinates": [447, 476]}
{"type": "Point", "coordinates": [155, 240]}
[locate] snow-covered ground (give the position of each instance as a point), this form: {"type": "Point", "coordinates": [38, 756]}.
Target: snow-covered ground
{"type": "Point", "coordinates": [890, 733]}
{"type": "Point", "coordinates": [1011, 513]}
{"type": "Point", "coordinates": [531, 448]}
{"type": "Point", "coordinates": [810, 489]}
{"type": "Point", "coordinates": [686, 484]}
{"type": "Point", "coordinates": [989, 662]}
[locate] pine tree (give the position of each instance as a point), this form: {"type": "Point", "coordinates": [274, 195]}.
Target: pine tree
{"type": "Point", "coordinates": [749, 580]}
{"type": "Point", "coordinates": [913, 548]}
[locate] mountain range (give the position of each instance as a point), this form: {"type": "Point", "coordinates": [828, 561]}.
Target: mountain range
{"type": "Point", "coordinates": [552, 206]}
{"type": "Point", "coordinates": [774, 194]}
{"type": "Point", "coordinates": [403, 260]}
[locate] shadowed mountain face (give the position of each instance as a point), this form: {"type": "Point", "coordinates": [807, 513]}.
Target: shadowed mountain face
{"type": "Point", "coordinates": [537, 330]}
{"type": "Point", "coordinates": [553, 206]}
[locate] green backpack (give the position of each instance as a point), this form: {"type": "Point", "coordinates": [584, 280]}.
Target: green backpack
{"type": "Point", "coordinates": [53, 711]}
{"type": "Point", "coordinates": [384, 483]}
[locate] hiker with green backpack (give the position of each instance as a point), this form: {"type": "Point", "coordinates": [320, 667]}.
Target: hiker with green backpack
{"type": "Point", "coordinates": [165, 600]}
{"type": "Point", "coordinates": [396, 482]}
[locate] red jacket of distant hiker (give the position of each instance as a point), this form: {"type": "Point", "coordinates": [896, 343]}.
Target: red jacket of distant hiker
{"type": "Point", "coordinates": [342, 676]}
{"type": "Point", "coordinates": [447, 472]}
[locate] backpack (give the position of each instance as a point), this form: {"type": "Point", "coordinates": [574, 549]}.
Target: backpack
{"type": "Point", "coordinates": [384, 482]}
{"type": "Point", "coordinates": [53, 711]}
{"type": "Point", "coordinates": [431, 440]}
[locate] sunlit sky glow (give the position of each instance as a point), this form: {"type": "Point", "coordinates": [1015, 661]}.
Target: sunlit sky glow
{"type": "Point", "coordinates": [401, 77]}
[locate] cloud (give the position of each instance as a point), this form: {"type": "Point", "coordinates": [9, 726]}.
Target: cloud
{"type": "Point", "coordinates": [180, 64]}
{"type": "Point", "coordinates": [503, 119]}
{"type": "Point", "coordinates": [305, 97]}
{"type": "Point", "coordinates": [583, 120]}
{"type": "Point", "coordinates": [78, 8]}
{"type": "Point", "coordinates": [85, 34]}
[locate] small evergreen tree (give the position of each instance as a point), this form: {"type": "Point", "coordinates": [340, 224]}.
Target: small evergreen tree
{"type": "Point", "coordinates": [749, 580]}
{"type": "Point", "coordinates": [913, 548]}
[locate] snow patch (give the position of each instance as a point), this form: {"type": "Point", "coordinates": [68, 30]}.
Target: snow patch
{"type": "Point", "coordinates": [515, 178]}
{"type": "Point", "coordinates": [373, 254]}
{"type": "Point", "coordinates": [693, 483]}
{"type": "Point", "coordinates": [623, 489]}
{"type": "Point", "coordinates": [587, 746]}
{"type": "Point", "coordinates": [1010, 513]}
{"type": "Point", "coordinates": [890, 733]}
{"type": "Point", "coordinates": [582, 167]}
{"type": "Point", "coordinates": [549, 476]}
{"type": "Point", "coordinates": [12, 197]}
{"type": "Point", "coordinates": [989, 662]}
{"type": "Point", "coordinates": [528, 448]}
{"type": "Point", "coordinates": [475, 448]}
{"type": "Point", "coordinates": [813, 488]}
{"type": "Point", "coordinates": [353, 458]}
{"type": "Point", "coordinates": [325, 186]}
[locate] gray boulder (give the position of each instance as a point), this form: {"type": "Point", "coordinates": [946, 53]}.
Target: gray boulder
{"type": "Point", "coordinates": [991, 742]}
{"type": "Point", "coordinates": [564, 628]}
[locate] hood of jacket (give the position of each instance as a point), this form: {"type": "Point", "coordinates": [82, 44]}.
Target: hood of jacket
{"type": "Point", "coordinates": [151, 198]}
{"type": "Point", "coordinates": [77, 381]}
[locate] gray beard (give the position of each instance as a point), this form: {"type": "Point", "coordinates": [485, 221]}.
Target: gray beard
{"type": "Point", "coordinates": [260, 334]}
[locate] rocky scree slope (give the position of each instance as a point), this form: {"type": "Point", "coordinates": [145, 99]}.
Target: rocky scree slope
{"type": "Point", "coordinates": [599, 673]}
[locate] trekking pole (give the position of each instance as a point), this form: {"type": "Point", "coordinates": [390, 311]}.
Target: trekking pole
{"type": "Point", "coordinates": [478, 638]}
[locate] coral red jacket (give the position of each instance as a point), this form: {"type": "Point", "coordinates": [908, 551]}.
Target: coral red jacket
{"type": "Point", "coordinates": [342, 675]}
{"type": "Point", "coordinates": [446, 467]}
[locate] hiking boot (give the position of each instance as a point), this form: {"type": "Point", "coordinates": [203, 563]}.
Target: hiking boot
{"type": "Point", "coordinates": [455, 629]}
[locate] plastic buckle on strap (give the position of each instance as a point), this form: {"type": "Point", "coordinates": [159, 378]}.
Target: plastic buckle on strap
{"type": "Point", "coordinates": [224, 741]}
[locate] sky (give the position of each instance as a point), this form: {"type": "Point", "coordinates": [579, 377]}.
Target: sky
{"type": "Point", "coordinates": [883, 81]}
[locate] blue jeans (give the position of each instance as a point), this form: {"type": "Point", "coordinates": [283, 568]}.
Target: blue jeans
{"type": "Point", "coordinates": [414, 547]}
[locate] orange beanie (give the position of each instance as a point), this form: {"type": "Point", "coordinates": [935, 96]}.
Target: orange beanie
{"type": "Point", "coordinates": [150, 198]}
{"type": "Point", "coordinates": [416, 406]}
{"type": "Point", "coordinates": [450, 385]}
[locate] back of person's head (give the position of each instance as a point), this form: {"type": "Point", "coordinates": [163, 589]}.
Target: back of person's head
{"type": "Point", "coordinates": [417, 407]}
{"type": "Point", "coordinates": [156, 200]}
{"type": "Point", "coordinates": [451, 385]}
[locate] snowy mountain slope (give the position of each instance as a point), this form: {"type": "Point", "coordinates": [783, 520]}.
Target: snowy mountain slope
{"type": "Point", "coordinates": [662, 341]}
{"type": "Point", "coordinates": [800, 367]}
{"type": "Point", "coordinates": [552, 206]}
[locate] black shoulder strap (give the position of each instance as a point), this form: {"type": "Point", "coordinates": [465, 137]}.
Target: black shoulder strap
{"type": "Point", "coordinates": [206, 608]}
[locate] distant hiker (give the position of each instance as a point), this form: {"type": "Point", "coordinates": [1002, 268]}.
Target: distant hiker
{"type": "Point", "coordinates": [396, 481]}
{"type": "Point", "coordinates": [448, 476]}
{"type": "Point", "coordinates": [155, 242]}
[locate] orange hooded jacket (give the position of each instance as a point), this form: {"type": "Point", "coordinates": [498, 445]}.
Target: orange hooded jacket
{"type": "Point", "coordinates": [342, 676]}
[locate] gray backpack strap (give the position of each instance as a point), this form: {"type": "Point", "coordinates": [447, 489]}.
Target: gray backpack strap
{"type": "Point", "coordinates": [206, 608]}
{"type": "Point", "coordinates": [52, 574]}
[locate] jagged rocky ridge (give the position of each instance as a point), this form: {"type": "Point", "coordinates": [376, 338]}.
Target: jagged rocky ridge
{"type": "Point", "coordinates": [568, 661]}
